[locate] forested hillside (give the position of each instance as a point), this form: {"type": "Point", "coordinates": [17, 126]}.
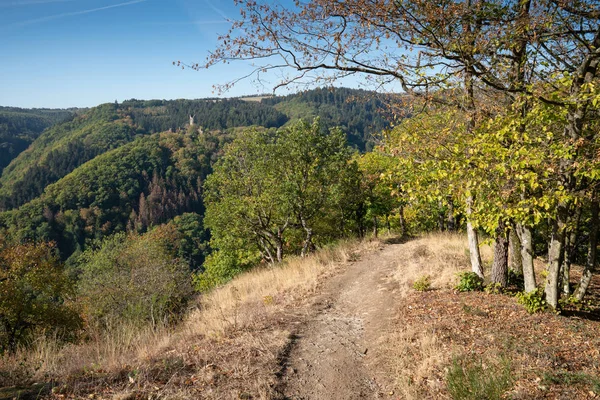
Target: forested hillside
{"type": "Point", "coordinates": [19, 127]}
{"type": "Point", "coordinates": [140, 184]}
{"type": "Point", "coordinates": [361, 114]}
{"type": "Point", "coordinates": [65, 146]}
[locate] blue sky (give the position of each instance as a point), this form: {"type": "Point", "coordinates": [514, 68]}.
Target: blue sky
{"type": "Point", "coordinates": [80, 53]}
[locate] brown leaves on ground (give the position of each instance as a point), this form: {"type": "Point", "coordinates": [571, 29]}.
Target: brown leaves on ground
{"type": "Point", "coordinates": [551, 356]}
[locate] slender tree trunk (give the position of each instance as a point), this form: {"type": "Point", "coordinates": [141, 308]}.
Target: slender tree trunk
{"type": "Point", "coordinates": [473, 242]}
{"type": "Point", "coordinates": [387, 223]}
{"type": "Point", "coordinates": [576, 117]}
{"type": "Point", "coordinates": [514, 253]}
{"type": "Point", "coordinates": [402, 221]}
{"type": "Point", "coordinates": [441, 218]}
{"type": "Point", "coordinates": [590, 263]}
{"type": "Point", "coordinates": [525, 235]}
{"type": "Point", "coordinates": [375, 227]}
{"type": "Point", "coordinates": [451, 219]}
{"type": "Point", "coordinates": [569, 253]}
{"type": "Point", "coordinates": [555, 253]}
{"type": "Point", "coordinates": [308, 245]}
{"type": "Point", "coordinates": [500, 264]}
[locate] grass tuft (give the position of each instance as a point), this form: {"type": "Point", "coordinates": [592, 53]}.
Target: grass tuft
{"type": "Point", "coordinates": [473, 380]}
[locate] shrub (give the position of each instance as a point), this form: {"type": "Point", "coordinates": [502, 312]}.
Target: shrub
{"type": "Point", "coordinates": [422, 284]}
{"type": "Point", "coordinates": [469, 282]}
{"type": "Point", "coordinates": [135, 279]}
{"type": "Point", "coordinates": [532, 301]}
{"type": "Point", "coordinates": [494, 288]}
{"type": "Point", "coordinates": [34, 295]}
{"type": "Point", "coordinates": [221, 267]}
{"type": "Point", "coordinates": [472, 381]}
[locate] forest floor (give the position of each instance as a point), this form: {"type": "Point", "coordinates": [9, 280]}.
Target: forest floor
{"type": "Point", "coordinates": [352, 327]}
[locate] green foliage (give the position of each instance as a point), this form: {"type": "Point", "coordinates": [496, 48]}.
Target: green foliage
{"type": "Point", "coordinates": [422, 284]}
{"type": "Point", "coordinates": [361, 114]}
{"type": "Point", "coordinates": [193, 243]}
{"type": "Point", "coordinates": [494, 288]}
{"type": "Point", "coordinates": [469, 282]}
{"type": "Point", "coordinates": [222, 266]}
{"type": "Point", "coordinates": [35, 295]}
{"type": "Point", "coordinates": [136, 186]}
{"type": "Point", "coordinates": [470, 380]}
{"type": "Point", "coordinates": [533, 301]}
{"type": "Point", "coordinates": [277, 191]}
{"type": "Point", "coordinates": [135, 278]}
{"type": "Point", "coordinates": [381, 187]}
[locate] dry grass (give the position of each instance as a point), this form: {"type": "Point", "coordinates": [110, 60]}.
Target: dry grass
{"type": "Point", "coordinates": [414, 354]}
{"type": "Point", "coordinates": [414, 358]}
{"type": "Point", "coordinates": [241, 302]}
{"type": "Point", "coordinates": [440, 256]}
{"type": "Point", "coordinates": [227, 328]}
{"type": "Point", "coordinates": [432, 327]}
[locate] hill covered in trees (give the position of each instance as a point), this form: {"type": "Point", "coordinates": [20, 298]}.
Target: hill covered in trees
{"type": "Point", "coordinates": [19, 127]}
{"type": "Point", "coordinates": [65, 146]}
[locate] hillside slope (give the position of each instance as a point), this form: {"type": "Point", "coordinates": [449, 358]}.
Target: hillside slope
{"type": "Point", "coordinates": [65, 146]}
{"type": "Point", "coordinates": [19, 127]}
{"type": "Point", "coordinates": [145, 182]}
{"type": "Point", "coordinates": [342, 323]}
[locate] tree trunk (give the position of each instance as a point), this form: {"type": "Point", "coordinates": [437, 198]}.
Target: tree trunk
{"type": "Point", "coordinates": [451, 219]}
{"type": "Point", "coordinates": [590, 263]}
{"type": "Point", "coordinates": [473, 242]}
{"type": "Point", "coordinates": [514, 253]}
{"type": "Point", "coordinates": [525, 235]}
{"type": "Point", "coordinates": [576, 116]}
{"type": "Point", "coordinates": [308, 244]}
{"type": "Point", "coordinates": [555, 253]}
{"type": "Point", "coordinates": [402, 222]}
{"type": "Point", "coordinates": [500, 264]}
{"type": "Point", "coordinates": [375, 227]}
{"type": "Point", "coordinates": [569, 253]}
{"type": "Point", "coordinates": [441, 218]}
{"type": "Point", "coordinates": [387, 223]}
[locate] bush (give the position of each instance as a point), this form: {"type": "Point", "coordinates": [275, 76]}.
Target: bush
{"type": "Point", "coordinates": [422, 284]}
{"type": "Point", "coordinates": [532, 301]}
{"type": "Point", "coordinates": [469, 282]}
{"type": "Point", "coordinates": [34, 295]}
{"type": "Point", "coordinates": [494, 288]}
{"type": "Point", "coordinates": [135, 279]}
{"type": "Point", "coordinates": [221, 267]}
{"type": "Point", "coordinates": [472, 381]}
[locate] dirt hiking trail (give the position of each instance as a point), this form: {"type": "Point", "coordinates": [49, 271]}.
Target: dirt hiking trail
{"type": "Point", "coordinates": [334, 353]}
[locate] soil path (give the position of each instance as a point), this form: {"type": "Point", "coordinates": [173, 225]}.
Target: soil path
{"type": "Point", "coordinates": [333, 356]}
